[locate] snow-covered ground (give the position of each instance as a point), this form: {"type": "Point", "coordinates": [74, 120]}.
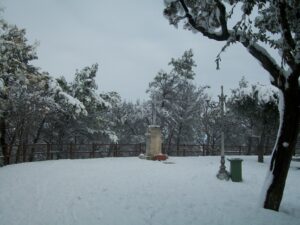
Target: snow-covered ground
{"type": "Point", "coordinates": [131, 191]}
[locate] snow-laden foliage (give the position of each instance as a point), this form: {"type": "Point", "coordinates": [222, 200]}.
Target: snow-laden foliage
{"type": "Point", "coordinates": [130, 121]}
{"type": "Point", "coordinates": [84, 87]}
{"type": "Point", "coordinates": [38, 108]}
{"type": "Point", "coordinates": [263, 94]}
{"type": "Point", "coordinates": [93, 125]}
{"type": "Point", "coordinates": [176, 101]}
{"type": "Point", "coordinates": [254, 107]}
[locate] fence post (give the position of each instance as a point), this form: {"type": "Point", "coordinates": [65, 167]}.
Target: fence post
{"type": "Point", "coordinates": [114, 150]}
{"type": "Point", "coordinates": [117, 153]}
{"type": "Point", "coordinates": [71, 151]}
{"type": "Point", "coordinates": [51, 153]}
{"type": "Point", "coordinates": [24, 148]}
{"type": "Point", "coordinates": [203, 150]}
{"type": "Point", "coordinates": [240, 150]}
{"type": "Point", "coordinates": [7, 153]}
{"type": "Point", "coordinates": [48, 151]}
{"type": "Point", "coordinates": [8, 150]}
{"type": "Point", "coordinates": [18, 153]}
{"type": "Point", "coordinates": [93, 150]}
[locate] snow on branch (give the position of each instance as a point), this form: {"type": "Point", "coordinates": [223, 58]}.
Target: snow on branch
{"type": "Point", "coordinates": [266, 60]}
{"type": "Point", "coordinates": [56, 90]}
{"type": "Point", "coordinates": [207, 25]}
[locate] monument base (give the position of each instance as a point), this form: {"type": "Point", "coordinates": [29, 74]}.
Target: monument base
{"type": "Point", "coordinates": [160, 157]}
{"type": "Point", "coordinates": [223, 174]}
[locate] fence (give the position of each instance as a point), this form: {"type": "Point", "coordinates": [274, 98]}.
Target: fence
{"type": "Point", "coordinates": [39, 152]}
{"type": "Point", "coordinates": [205, 150]}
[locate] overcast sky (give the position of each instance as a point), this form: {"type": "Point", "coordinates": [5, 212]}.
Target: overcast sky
{"type": "Point", "coordinates": [131, 40]}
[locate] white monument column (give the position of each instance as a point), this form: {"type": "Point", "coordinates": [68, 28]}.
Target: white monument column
{"type": "Point", "coordinates": [154, 147]}
{"type": "Point", "coordinates": [153, 137]}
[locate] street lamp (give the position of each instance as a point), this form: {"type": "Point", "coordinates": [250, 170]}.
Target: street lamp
{"type": "Point", "coordinates": [222, 174]}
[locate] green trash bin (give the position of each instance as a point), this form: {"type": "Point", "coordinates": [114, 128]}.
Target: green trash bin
{"type": "Point", "coordinates": [236, 169]}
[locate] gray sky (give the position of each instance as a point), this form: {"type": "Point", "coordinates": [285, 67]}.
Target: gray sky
{"type": "Point", "coordinates": [131, 40]}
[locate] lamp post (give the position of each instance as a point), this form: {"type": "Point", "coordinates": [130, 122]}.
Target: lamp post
{"type": "Point", "coordinates": [222, 174]}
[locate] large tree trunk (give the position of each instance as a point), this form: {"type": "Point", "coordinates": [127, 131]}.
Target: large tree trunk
{"type": "Point", "coordinates": [284, 147]}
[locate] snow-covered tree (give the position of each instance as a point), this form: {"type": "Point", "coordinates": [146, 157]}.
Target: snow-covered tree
{"type": "Point", "coordinates": [258, 26]}
{"type": "Point", "coordinates": [90, 126]}
{"type": "Point", "coordinates": [177, 100]}
{"type": "Point", "coordinates": [208, 126]}
{"type": "Point", "coordinates": [14, 57]}
{"type": "Point", "coordinates": [131, 121]}
{"type": "Point", "coordinates": [255, 107]}
{"type": "Point", "coordinates": [26, 94]}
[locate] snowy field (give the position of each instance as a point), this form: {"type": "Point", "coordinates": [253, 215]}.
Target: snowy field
{"type": "Point", "coordinates": [131, 191]}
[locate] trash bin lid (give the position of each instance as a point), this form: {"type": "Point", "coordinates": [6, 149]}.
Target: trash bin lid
{"type": "Point", "coordinates": [235, 159]}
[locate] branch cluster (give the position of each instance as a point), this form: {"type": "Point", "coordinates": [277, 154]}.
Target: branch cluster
{"type": "Point", "coordinates": [263, 25]}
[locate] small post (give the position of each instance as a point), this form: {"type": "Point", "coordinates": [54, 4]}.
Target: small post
{"type": "Point", "coordinates": [93, 150]}
{"type": "Point", "coordinates": [48, 151]}
{"type": "Point", "coordinates": [24, 148]}
{"type": "Point", "coordinates": [115, 150]}
{"type": "Point", "coordinates": [71, 151]}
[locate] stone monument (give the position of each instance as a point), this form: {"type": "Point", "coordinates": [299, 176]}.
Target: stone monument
{"type": "Point", "coordinates": [153, 141]}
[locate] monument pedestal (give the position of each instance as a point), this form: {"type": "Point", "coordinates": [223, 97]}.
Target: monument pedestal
{"type": "Point", "coordinates": [153, 143]}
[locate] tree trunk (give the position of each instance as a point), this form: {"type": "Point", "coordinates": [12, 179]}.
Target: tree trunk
{"type": "Point", "coordinates": [36, 139]}
{"type": "Point", "coordinates": [3, 143]}
{"type": "Point", "coordinates": [178, 140]}
{"type": "Point", "coordinates": [169, 150]}
{"type": "Point", "coordinates": [284, 147]}
{"type": "Point", "coordinates": [18, 153]}
{"type": "Point", "coordinates": [260, 147]}
{"type": "Point", "coordinates": [249, 145]}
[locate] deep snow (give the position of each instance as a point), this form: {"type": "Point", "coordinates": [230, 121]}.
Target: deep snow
{"type": "Point", "coordinates": [131, 191]}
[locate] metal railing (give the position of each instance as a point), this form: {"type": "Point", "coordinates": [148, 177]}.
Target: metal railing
{"type": "Point", "coordinates": [40, 152]}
